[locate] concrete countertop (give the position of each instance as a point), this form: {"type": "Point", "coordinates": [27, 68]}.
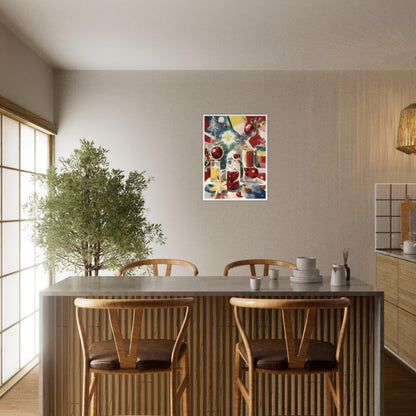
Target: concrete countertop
{"type": "Point", "coordinates": [398, 254]}
{"type": "Point", "coordinates": [201, 286]}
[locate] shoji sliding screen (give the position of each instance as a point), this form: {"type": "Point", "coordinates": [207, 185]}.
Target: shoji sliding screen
{"type": "Point", "coordinates": [25, 153]}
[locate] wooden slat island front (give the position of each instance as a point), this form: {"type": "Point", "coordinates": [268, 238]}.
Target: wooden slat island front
{"type": "Point", "coordinates": [211, 335]}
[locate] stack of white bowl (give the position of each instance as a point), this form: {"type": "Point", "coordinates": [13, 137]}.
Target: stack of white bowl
{"type": "Point", "coordinates": [306, 271]}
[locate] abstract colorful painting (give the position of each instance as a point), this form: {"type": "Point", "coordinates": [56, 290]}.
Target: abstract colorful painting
{"type": "Point", "coordinates": [235, 157]}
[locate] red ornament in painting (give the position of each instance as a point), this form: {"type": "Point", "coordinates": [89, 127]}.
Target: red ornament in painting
{"type": "Point", "coordinates": [257, 140]}
{"type": "Point", "coordinates": [252, 172]}
{"type": "Point", "coordinates": [217, 152]}
{"type": "Point", "coordinates": [249, 128]}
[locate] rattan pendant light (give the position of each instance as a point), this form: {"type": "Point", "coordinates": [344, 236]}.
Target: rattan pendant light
{"type": "Point", "coordinates": [406, 136]}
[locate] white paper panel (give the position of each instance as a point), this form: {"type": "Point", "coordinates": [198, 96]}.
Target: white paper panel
{"type": "Point", "coordinates": [10, 352]}
{"type": "Point", "coordinates": [10, 145]}
{"type": "Point", "coordinates": [27, 148]}
{"type": "Point", "coordinates": [41, 189]}
{"type": "Point", "coordinates": [27, 188]}
{"type": "Point", "coordinates": [27, 253]}
{"type": "Point", "coordinates": [1, 311]}
{"type": "Point", "coordinates": [41, 152]}
{"type": "Point", "coordinates": [10, 194]}
{"type": "Point", "coordinates": [1, 196]}
{"type": "Point", "coordinates": [10, 300]}
{"type": "Point", "coordinates": [27, 340]}
{"type": "Point", "coordinates": [27, 292]}
{"type": "Point", "coordinates": [10, 247]}
{"type": "Point", "coordinates": [42, 282]}
{"type": "Point", "coordinates": [37, 333]}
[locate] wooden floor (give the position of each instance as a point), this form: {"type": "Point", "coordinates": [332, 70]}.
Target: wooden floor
{"type": "Point", "coordinates": [399, 388]}
{"type": "Point", "coordinates": [399, 392]}
{"type": "Point", "coordinates": [22, 399]}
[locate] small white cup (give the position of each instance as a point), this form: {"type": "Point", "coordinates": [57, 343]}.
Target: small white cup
{"type": "Point", "coordinates": [273, 284]}
{"type": "Point", "coordinates": [306, 263]}
{"type": "Point", "coordinates": [255, 283]}
{"type": "Point", "coordinates": [273, 274]}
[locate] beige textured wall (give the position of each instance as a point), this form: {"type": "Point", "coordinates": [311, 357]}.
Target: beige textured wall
{"type": "Point", "coordinates": [24, 78]}
{"type": "Point", "coordinates": [331, 138]}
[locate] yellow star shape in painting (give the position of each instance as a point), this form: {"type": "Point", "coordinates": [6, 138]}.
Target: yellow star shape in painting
{"type": "Point", "coordinates": [218, 187]}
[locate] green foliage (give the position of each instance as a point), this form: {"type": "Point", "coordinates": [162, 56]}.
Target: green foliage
{"type": "Point", "coordinates": [92, 218]}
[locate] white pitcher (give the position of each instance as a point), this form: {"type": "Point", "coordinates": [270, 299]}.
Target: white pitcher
{"type": "Point", "coordinates": [338, 275]}
{"type": "Point", "coordinates": [409, 247]}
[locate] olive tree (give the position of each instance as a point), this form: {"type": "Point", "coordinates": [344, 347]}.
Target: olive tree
{"type": "Point", "coordinates": [91, 217]}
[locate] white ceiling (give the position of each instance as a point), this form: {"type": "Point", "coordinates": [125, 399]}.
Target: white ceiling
{"type": "Point", "coordinates": [217, 34]}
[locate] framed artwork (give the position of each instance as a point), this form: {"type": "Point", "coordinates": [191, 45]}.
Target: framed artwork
{"type": "Point", "coordinates": [235, 157]}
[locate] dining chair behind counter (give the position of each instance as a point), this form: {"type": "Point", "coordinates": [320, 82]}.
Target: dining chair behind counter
{"type": "Point", "coordinates": [155, 263]}
{"type": "Point", "coordinates": [266, 263]}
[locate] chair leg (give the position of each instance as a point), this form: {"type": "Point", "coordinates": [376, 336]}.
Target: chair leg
{"type": "Point", "coordinates": [339, 388]}
{"type": "Point", "coordinates": [186, 392]}
{"type": "Point", "coordinates": [237, 376]}
{"type": "Point", "coordinates": [328, 393]}
{"type": "Point", "coordinates": [85, 391]}
{"type": "Point", "coordinates": [334, 393]}
{"type": "Point", "coordinates": [94, 382]}
{"type": "Point", "coordinates": [173, 396]}
{"type": "Point", "coordinates": [251, 392]}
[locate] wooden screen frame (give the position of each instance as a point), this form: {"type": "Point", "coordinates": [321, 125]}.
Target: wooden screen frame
{"type": "Point", "coordinates": [26, 117]}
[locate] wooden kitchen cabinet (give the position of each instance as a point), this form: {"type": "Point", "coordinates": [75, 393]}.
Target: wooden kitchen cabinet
{"type": "Point", "coordinates": [397, 278]}
{"type": "Point", "coordinates": [391, 326]}
{"type": "Point", "coordinates": [388, 277]}
{"type": "Point", "coordinates": [407, 286]}
{"type": "Point", "coordinates": [407, 337]}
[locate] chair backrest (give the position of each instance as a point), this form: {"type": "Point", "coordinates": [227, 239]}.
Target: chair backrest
{"type": "Point", "coordinates": [155, 263]}
{"type": "Point", "coordinates": [296, 356]}
{"type": "Point", "coordinates": [127, 356]}
{"type": "Point", "coordinates": [252, 263]}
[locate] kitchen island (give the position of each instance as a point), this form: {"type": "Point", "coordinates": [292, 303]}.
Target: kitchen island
{"type": "Point", "coordinates": [211, 335]}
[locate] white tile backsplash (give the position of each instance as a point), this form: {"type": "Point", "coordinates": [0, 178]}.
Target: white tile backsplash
{"type": "Point", "coordinates": [383, 208]}
{"type": "Point", "coordinates": [389, 197]}
{"type": "Point", "coordinates": [395, 225]}
{"type": "Point", "coordinates": [395, 208]}
{"type": "Point", "coordinates": [383, 191]}
{"type": "Point", "coordinates": [383, 224]}
{"type": "Point", "coordinates": [396, 240]}
{"type": "Point", "coordinates": [383, 240]}
{"type": "Point", "coordinates": [398, 191]}
{"type": "Point", "coordinates": [411, 190]}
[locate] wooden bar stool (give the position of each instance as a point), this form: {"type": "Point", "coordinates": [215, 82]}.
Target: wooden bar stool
{"type": "Point", "coordinates": [157, 262]}
{"type": "Point", "coordinates": [129, 354]}
{"type": "Point", "coordinates": [266, 263]}
{"type": "Point", "coordinates": [289, 355]}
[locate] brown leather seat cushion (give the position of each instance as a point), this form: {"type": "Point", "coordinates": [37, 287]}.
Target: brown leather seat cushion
{"type": "Point", "coordinates": [271, 355]}
{"type": "Point", "coordinates": [152, 354]}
